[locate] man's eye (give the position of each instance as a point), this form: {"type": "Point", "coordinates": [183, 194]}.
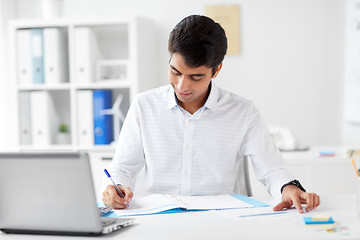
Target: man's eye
{"type": "Point", "coordinates": [196, 78]}
{"type": "Point", "coordinates": [176, 73]}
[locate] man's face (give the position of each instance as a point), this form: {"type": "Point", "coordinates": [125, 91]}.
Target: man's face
{"type": "Point", "coordinates": [190, 84]}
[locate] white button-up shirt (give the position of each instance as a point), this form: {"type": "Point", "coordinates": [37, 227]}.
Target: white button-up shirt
{"type": "Point", "coordinates": [186, 154]}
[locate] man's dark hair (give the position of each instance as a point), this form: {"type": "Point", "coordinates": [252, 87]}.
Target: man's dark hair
{"type": "Point", "coordinates": [200, 40]}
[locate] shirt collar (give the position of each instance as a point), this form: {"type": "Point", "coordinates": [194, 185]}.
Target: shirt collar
{"type": "Point", "coordinates": [210, 102]}
{"type": "Point", "coordinates": [171, 98]}
{"type": "Point", "coordinates": [212, 98]}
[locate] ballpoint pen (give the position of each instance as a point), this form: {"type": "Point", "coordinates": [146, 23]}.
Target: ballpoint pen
{"type": "Point", "coordinates": [116, 187]}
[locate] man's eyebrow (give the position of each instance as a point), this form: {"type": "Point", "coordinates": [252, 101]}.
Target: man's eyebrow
{"type": "Point", "coordinates": [192, 75]}
{"type": "Point", "coordinates": [197, 75]}
{"type": "Point", "coordinates": [174, 68]}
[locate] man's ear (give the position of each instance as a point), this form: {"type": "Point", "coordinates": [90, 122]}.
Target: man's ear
{"type": "Point", "coordinates": [217, 71]}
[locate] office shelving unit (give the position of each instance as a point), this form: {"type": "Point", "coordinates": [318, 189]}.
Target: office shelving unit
{"type": "Point", "coordinates": [124, 46]}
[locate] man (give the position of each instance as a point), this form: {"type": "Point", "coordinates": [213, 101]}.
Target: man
{"type": "Point", "coordinates": [190, 134]}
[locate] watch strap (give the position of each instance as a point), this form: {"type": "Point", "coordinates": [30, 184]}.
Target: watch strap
{"type": "Point", "coordinates": [294, 182]}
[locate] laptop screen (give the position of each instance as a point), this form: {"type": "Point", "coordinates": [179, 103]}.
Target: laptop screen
{"type": "Point", "coordinates": [47, 192]}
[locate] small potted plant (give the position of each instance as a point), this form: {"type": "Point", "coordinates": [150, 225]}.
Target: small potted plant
{"type": "Point", "coordinates": [63, 136]}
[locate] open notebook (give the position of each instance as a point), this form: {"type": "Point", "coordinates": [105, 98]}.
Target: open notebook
{"type": "Point", "coordinates": [161, 203]}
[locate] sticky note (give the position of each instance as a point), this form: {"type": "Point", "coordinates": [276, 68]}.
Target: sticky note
{"type": "Point", "coordinates": [326, 154]}
{"type": "Point", "coordinates": [320, 217]}
{"type": "Point", "coordinates": [318, 220]}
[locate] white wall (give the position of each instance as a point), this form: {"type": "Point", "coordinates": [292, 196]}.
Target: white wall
{"type": "Point", "coordinates": [7, 11]}
{"type": "Point", "coordinates": [291, 64]}
{"type": "Point", "coordinates": [351, 128]}
{"type": "Point", "coordinates": [2, 92]}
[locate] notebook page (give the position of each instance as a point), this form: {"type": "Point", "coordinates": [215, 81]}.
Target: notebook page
{"type": "Point", "coordinates": [211, 202]}
{"type": "Point", "coordinates": [148, 205]}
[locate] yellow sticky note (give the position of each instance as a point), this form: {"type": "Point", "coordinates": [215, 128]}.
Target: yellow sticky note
{"type": "Point", "coordinates": [320, 217]}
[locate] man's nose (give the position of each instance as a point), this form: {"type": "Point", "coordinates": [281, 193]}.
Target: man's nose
{"type": "Point", "coordinates": [183, 84]}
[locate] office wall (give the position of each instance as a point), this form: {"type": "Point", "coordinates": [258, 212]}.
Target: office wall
{"type": "Point", "coordinates": [7, 11]}
{"type": "Point", "coordinates": [291, 61]}
{"type": "Point", "coordinates": [351, 129]}
{"type": "Point", "coordinates": [2, 123]}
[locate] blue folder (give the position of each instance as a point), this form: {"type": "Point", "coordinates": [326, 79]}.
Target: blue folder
{"type": "Point", "coordinates": [37, 55]}
{"type": "Point", "coordinates": [103, 124]}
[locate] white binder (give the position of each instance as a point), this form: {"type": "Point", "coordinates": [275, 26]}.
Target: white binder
{"type": "Point", "coordinates": [24, 118]}
{"type": "Point", "coordinates": [85, 118]}
{"type": "Point", "coordinates": [24, 63]}
{"type": "Point", "coordinates": [86, 52]}
{"type": "Point", "coordinates": [43, 119]}
{"type": "Point", "coordinates": [55, 56]}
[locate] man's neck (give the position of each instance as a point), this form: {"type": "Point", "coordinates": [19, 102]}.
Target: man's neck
{"type": "Point", "coordinates": [192, 107]}
{"type": "Point", "coordinates": [189, 107]}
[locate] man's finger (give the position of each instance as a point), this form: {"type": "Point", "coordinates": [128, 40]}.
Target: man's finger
{"type": "Point", "coordinates": [281, 206]}
{"type": "Point", "coordinates": [119, 206]}
{"type": "Point", "coordinates": [317, 200]}
{"type": "Point", "coordinates": [113, 194]}
{"type": "Point", "coordinates": [128, 193]}
{"type": "Point", "coordinates": [114, 203]}
{"type": "Point", "coordinates": [298, 206]}
{"type": "Point", "coordinates": [309, 202]}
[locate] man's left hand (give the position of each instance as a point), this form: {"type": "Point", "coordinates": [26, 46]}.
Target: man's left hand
{"type": "Point", "coordinates": [292, 195]}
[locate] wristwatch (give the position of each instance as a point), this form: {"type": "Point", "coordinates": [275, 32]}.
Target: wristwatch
{"type": "Point", "coordinates": [295, 183]}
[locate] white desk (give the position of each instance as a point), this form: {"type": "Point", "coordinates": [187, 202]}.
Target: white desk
{"type": "Point", "coordinates": [207, 225]}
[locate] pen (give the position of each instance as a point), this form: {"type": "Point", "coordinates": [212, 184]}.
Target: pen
{"type": "Point", "coordinates": [116, 187]}
{"type": "Point", "coordinates": [356, 170]}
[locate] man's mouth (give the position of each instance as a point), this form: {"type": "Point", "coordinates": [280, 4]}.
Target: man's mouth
{"type": "Point", "coordinates": [184, 94]}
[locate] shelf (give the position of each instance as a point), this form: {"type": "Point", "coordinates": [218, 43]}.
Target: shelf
{"type": "Point", "coordinates": [60, 86]}
{"type": "Point", "coordinates": [110, 84]}
{"type": "Point", "coordinates": [97, 54]}
{"type": "Point", "coordinates": [69, 22]}
{"type": "Point", "coordinates": [99, 148]}
{"type": "Point", "coordinates": [27, 148]}
{"type": "Point", "coordinates": [105, 85]}
{"type": "Point", "coordinates": [95, 148]}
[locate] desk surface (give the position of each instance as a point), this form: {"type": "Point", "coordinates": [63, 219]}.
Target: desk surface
{"type": "Point", "coordinates": [208, 225]}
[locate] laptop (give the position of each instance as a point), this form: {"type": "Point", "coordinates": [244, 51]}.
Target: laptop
{"type": "Point", "coordinates": [51, 193]}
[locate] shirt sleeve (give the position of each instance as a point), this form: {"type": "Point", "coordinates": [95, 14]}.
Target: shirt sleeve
{"type": "Point", "coordinates": [268, 163]}
{"type": "Point", "coordinates": [129, 154]}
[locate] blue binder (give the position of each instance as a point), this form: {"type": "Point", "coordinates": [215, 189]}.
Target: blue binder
{"type": "Point", "coordinates": [37, 54]}
{"type": "Point", "coordinates": [103, 124]}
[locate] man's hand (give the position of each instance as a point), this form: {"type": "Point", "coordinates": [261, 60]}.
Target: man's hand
{"type": "Point", "coordinates": [292, 195]}
{"type": "Point", "coordinates": [113, 200]}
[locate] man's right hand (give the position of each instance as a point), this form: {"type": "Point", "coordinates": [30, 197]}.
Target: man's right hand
{"type": "Point", "coordinates": [113, 200]}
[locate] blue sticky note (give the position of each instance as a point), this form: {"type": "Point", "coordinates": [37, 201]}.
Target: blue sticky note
{"type": "Point", "coordinates": [309, 220]}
